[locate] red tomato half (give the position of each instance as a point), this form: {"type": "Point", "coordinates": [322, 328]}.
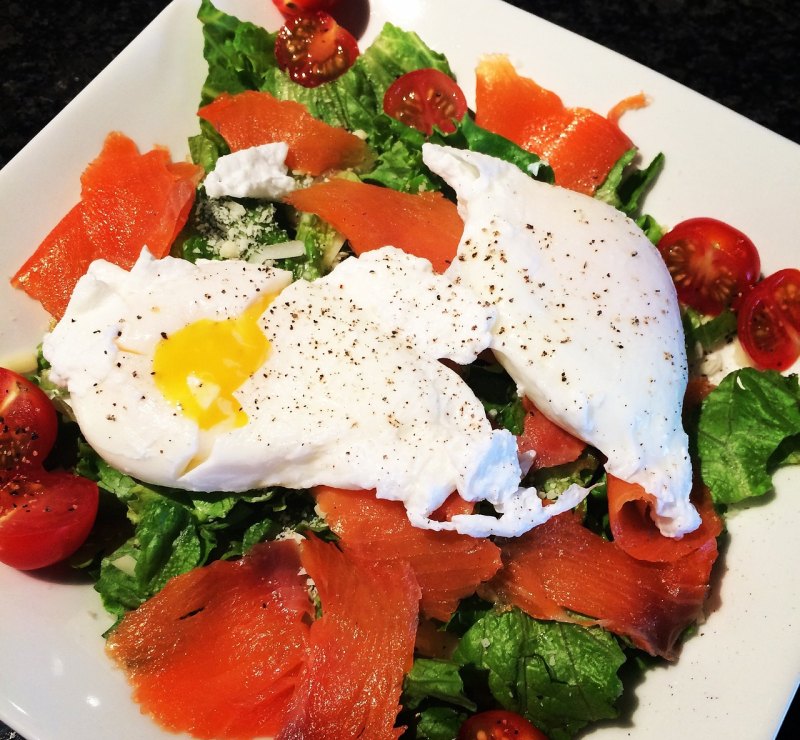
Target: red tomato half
{"type": "Point", "coordinates": [499, 724]}
{"type": "Point", "coordinates": [425, 98]}
{"type": "Point", "coordinates": [44, 517]}
{"type": "Point", "coordinates": [711, 263]}
{"type": "Point", "coordinates": [28, 424]}
{"type": "Point", "coordinates": [769, 321]}
{"type": "Point", "coordinates": [313, 48]}
{"type": "Point", "coordinates": [290, 8]}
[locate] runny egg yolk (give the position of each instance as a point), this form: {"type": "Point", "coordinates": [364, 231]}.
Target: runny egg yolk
{"type": "Point", "coordinates": [200, 366]}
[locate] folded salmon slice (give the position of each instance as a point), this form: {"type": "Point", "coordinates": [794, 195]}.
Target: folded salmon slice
{"type": "Point", "coordinates": [128, 201]}
{"type": "Point", "coordinates": [219, 650]}
{"type": "Point", "coordinates": [561, 570]}
{"type": "Point", "coordinates": [449, 566]}
{"type": "Point", "coordinates": [580, 145]}
{"type": "Point", "coordinates": [552, 444]}
{"type": "Point", "coordinates": [253, 118]}
{"type": "Point", "coordinates": [359, 649]}
{"type": "Point", "coordinates": [370, 216]}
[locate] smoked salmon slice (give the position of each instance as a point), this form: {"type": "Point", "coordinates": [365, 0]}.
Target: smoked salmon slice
{"type": "Point", "coordinates": [370, 216]}
{"type": "Point", "coordinates": [128, 201]}
{"type": "Point", "coordinates": [629, 509]}
{"type": "Point", "coordinates": [561, 570]}
{"type": "Point", "coordinates": [253, 118]}
{"type": "Point", "coordinates": [359, 649]}
{"type": "Point", "coordinates": [580, 145]}
{"type": "Point", "coordinates": [552, 444]}
{"type": "Point", "coordinates": [448, 566]}
{"type": "Point", "coordinates": [219, 650]}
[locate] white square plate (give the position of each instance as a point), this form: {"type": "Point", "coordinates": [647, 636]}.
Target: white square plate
{"type": "Point", "coordinates": [737, 678]}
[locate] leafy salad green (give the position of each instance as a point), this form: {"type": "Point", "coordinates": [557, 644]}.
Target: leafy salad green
{"type": "Point", "coordinates": [561, 676]}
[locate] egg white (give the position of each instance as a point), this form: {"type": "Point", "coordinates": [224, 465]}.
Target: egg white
{"type": "Point", "coordinates": [588, 323]}
{"type": "Point", "coordinates": [352, 394]}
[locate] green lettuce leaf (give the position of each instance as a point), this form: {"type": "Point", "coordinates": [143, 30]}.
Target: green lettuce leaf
{"type": "Point", "coordinates": [748, 426]}
{"type": "Point", "coordinates": [498, 393]}
{"type": "Point", "coordinates": [434, 679]}
{"type": "Point", "coordinates": [625, 185]}
{"type": "Point", "coordinates": [468, 135]}
{"type": "Point", "coordinates": [239, 54]}
{"type": "Point", "coordinates": [707, 333]}
{"type": "Point", "coordinates": [174, 531]}
{"type": "Point", "coordinates": [560, 676]}
{"type": "Point", "coordinates": [439, 723]}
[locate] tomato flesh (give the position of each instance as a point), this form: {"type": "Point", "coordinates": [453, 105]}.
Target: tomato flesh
{"type": "Point", "coordinates": [499, 724]}
{"type": "Point", "coordinates": [712, 264]}
{"type": "Point", "coordinates": [313, 48]}
{"type": "Point", "coordinates": [28, 424]}
{"type": "Point", "coordinates": [769, 321]}
{"type": "Point", "coordinates": [290, 8]}
{"type": "Point", "coordinates": [44, 517]}
{"type": "Point", "coordinates": [425, 99]}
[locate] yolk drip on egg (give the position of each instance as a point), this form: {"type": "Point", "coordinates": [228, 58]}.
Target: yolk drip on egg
{"type": "Point", "coordinates": [200, 366]}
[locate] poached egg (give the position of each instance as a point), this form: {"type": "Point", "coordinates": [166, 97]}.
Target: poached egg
{"type": "Point", "coordinates": [225, 376]}
{"type": "Point", "coordinates": [588, 324]}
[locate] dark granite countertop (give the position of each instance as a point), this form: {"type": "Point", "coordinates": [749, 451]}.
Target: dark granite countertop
{"type": "Point", "coordinates": [741, 53]}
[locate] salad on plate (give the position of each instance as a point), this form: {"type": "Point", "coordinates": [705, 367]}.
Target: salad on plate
{"type": "Point", "coordinates": [386, 416]}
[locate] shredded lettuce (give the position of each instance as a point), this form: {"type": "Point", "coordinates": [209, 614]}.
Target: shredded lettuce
{"type": "Point", "coordinates": [172, 531]}
{"type": "Point", "coordinates": [625, 185]}
{"type": "Point", "coordinates": [706, 333]}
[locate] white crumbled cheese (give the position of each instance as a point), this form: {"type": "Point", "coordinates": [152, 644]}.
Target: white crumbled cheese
{"type": "Point", "coordinates": [256, 172]}
{"type": "Point", "coordinates": [235, 232]}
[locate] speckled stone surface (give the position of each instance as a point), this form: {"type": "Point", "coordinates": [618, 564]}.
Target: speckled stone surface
{"type": "Point", "coordinates": [744, 54]}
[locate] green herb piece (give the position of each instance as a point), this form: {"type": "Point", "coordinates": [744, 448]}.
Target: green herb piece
{"type": "Point", "coordinates": [560, 676]}
{"type": "Point", "coordinates": [749, 426]}
{"type": "Point", "coordinates": [435, 679]}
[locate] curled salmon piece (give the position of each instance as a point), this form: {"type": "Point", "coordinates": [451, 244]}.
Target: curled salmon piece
{"type": "Point", "coordinates": [251, 118]}
{"type": "Point", "coordinates": [370, 216]}
{"type": "Point", "coordinates": [580, 145]}
{"type": "Point", "coordinates": [560, 570]}
{"type": "Point", "coordinates": [629, 512]}
{"type": "Point", "coordinates": [448, 566]}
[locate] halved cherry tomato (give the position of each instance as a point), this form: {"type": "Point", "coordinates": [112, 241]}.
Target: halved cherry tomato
{"type": "Point", "coordinates": [711, 263]}
{"type": "Point", "coordinates": [424, 99]}
{"type": "Point", "coordinates": [290, 8]}
{"type": "Point", "coordinates": [313, 48]}
{"type": "Point", "coordinates": [44, 517]}
{"type": "Point", "coordinates": [499, 724]}
{"type": "Point", "coordinates": [769, 321]}
{"type": "Point", "coordinates": [28, 424]}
